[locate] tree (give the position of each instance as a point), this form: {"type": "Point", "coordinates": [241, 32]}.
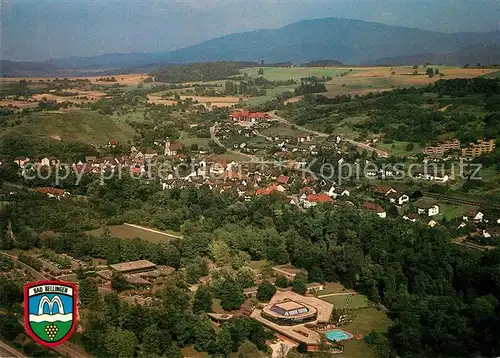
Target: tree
{"type": "Point", "coordinates": [410, 146]}
{"type": "Point", "coordinates": [281, 281]}
{"type": "Point", "coordinates": [260, 72]}
{"type": "Point", "coordinates": [204, 334]}
{"type": "Point", "coordinates": [249, 350]}
{"type": "Point", "coordinates": [430, 72]}
{"type": "Point", "coordinates": [302, 348]}
{"type": "Point", "coordinates": [121, 343]}
{"type": "Point", "coordinates": [231, 295]}
{"type": "Point", "coordinates": [9, 326]}
{"type": "Point", "coordinates": [202, 300]}
{"type": "Point", "coordinates": [436, 71]}
{"type": "Point", "coordinates": [415, 67]}
{"type": "Point", "coordinates": [220, 252]}
{"type": "Point", "coordinates": [88, 292]}
{"type": "Point", "coordinates": [299, 286]}
{"type": "Point", "coordinates": [265, 291]}
{"type": "Point", "coordinates": [118, 282]}
{"type": "Point", "coordinates": [224, 341]}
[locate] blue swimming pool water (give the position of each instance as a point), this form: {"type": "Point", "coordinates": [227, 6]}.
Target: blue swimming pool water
{"type": "Point", "coordinates": [337, 335]}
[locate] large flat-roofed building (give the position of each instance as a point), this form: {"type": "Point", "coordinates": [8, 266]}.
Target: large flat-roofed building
{"type": "Point", "coordinates": [133, 266]}
{"type": "Point", "coordinates": [289, 313]}
{"type": "Point", "coordinates": [294, 317]}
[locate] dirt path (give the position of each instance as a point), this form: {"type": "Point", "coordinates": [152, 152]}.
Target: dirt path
{"type": "Point", "coordinates": [348, 293]}
{"type": "Point", "coordinates": [153, 230]}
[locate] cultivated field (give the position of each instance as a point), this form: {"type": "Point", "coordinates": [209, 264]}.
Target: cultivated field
{"type": "Point", "coordinates": [129, 79]}
{"type": "Point", "coordinates": [362, 80]}
{"type": "Point", "coordinates": [17, 104]}
{"type": "Point", "coordinates": [81, 97]}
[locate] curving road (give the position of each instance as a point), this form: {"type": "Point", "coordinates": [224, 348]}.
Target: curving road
{"type": "Point", "coordinates": [213, 135]}
{"type": "Point", "coordinates": [380, 153]}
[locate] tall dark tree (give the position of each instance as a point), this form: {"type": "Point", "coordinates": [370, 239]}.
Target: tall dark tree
{"type": "Point", "coordinates": [202, 300]}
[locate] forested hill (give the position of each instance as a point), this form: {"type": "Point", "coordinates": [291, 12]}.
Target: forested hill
{"type": "Point", "coordinates": [349, 41]}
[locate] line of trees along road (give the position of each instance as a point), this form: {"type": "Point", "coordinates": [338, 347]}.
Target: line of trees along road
{"type": "Point", "coordinates": [442, 298]}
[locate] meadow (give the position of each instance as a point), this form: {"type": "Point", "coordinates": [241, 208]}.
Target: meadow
{"type": "Point", "coordinates": [76, 125]}
{"type": "Point", "coordinates": [130, 232]}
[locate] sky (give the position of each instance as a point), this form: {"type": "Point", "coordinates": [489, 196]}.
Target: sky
{"type": "Point", "coordinates": [37, 30]}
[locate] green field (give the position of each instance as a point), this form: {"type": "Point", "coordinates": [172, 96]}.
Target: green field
{"type": "Point", "coordinates": [363, 322]}
{"type": "Point", "coordinates": [347, 301]}
{"type": "Point", "coordinates": [129, 232]}
{"type": "Point", "coordinates": [187, 140]}
{"type": "Point", "coordinates": [79, 125]}
{"type": "Point", "coordinates": [39, 329]}
{"type": "Point", "coordinates": [398, 149]}
{"type": "Point", "coordinates": [270, 93]}
{"type": "Point", "coordinates": [296, 73]}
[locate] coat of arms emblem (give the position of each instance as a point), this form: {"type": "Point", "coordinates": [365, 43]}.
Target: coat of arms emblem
{"type": "Point", "coordinates": [50, 311]}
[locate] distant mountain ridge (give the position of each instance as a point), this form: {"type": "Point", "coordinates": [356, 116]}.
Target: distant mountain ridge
{"type": "Point", "coordinates": [348, 41]}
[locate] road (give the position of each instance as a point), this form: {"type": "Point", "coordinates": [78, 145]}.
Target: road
{"type": "Point", "coordinates": [8, 351]}
{"type": "Point", "coordinates": [380, 153]}
{"type": "Point", "coordinates": [213, 132]}
{"type": "Point", "coordinates": [66, 349]}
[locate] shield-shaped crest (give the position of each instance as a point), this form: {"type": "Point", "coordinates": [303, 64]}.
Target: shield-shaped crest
{"type": "Point", "coordinates": [50, 311]}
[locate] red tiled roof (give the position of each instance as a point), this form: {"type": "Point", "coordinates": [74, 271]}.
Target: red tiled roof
{"type": "Point", "coordinates": [282, 179]}
{"type": "Point", "coordinates": [48, 190]}
{"type": "Point", "coordinates": [262, 191]}
{"type": "Point", "coordinates": [176, 146]}
{"type": "Point", "coordinates": [319, 198]}
{"type": "Point", "coordinates": [373, 207]}
{"type": "Point", "coordinates": [382, 189]}
{"type": "Point", "coordinates": [245, 114]}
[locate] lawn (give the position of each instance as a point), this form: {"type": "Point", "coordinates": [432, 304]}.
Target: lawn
{"type": "Point", "coordinates": [79, 125]}
{"type": "Point", "coordinates": [187, 140]}
{"type": "Point", "coordinates": [129, 232]}
{"type": "Point", "coordinates": [451, 211]}
{"type": "Point", "coordinates": [281, 130]}
{"type": "Point", "coordinates": [399, 148]}
{"type": "Point", "coordinates": [348, 301]}
{"type": "Point", "coordinates": [333, 287]}
{"type": "Point", "coordinates": [363, 322]}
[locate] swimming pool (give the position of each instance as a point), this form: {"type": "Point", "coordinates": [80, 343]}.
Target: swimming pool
{"type": "Point", "coordinates": [337, 335]}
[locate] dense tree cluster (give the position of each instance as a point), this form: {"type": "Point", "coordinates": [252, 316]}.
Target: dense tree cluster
{"type": "Point", "coordinates": [201, 71]}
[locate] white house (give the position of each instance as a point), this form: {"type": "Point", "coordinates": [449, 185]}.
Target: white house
{"type": "Point", "coordinates": [427, 206]}
{"type": "Point", "coordinates": [474, 215]}
{"type": "Point", "coordinates": [398, 199]}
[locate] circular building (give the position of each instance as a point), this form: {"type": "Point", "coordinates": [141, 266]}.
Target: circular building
{"type": "Point", "coordinates": [289, 313]}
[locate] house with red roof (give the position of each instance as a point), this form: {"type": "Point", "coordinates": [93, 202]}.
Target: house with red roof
{"type": "Point", "coordinates": [283, 179]}
{"type": "Point", "coordinates": [375, 208]}
{"type": "Point", "coordinates": [51, 192]}
{"type": "Point", "coordinates": [249, 117]}
{"type": "Point", "coordinates": [315, 199]}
